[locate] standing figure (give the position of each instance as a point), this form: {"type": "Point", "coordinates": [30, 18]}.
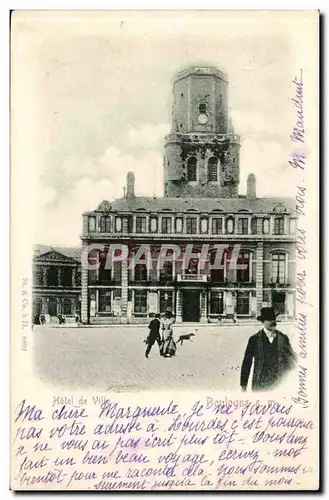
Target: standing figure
{"type": "Point", "coordinates": [272, 354]}
{"type": "Point", "coordinates": [168, 346]}
{"type": "Point", "coordinates": [154, 335]}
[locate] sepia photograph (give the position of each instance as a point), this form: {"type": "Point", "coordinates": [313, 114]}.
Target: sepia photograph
{"type": "Point", "coordinates": [173, 187]}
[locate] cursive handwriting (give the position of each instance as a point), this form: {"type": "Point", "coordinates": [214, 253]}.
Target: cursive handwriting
{"type": "Point", "coordinates": [162, 447]}
{"type": "Point", "coordinates": [298, 132]}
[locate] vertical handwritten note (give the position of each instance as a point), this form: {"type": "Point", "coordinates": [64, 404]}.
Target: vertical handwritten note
{"type": "Point", "coordinates": [110, 446]}
{"type": "Point", "coordinates": [305, 263]}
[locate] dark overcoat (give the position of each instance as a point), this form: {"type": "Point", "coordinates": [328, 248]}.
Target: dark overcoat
{"type": "Point", "coordinates": [266, 374]}
{"type": "Point", "coordinates": [154, 328]}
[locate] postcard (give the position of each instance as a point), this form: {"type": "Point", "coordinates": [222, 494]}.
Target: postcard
{"type": "Point", "coordinates": [164, 250]}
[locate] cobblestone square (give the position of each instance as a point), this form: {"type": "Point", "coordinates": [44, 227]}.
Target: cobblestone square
{"type": "Point", "coordinates": [113, 358]}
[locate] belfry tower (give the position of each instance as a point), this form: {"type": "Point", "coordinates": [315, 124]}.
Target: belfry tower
{"type": "Point", "coordinates": [202, 151]}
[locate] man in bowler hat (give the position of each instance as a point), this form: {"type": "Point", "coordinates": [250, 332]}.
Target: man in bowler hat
{"type": "Point", "coordinates": [272, 354]}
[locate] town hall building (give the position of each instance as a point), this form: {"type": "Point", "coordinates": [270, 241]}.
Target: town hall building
{"type": "Point", "coordinates": [201, 206]}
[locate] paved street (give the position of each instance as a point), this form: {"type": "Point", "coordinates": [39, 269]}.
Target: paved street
{"type": "Point", "coordinates": [113, 358]}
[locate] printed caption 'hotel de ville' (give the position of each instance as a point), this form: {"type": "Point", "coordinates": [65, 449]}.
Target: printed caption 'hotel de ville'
{"type": "Point", "coordinates": [201, 206]}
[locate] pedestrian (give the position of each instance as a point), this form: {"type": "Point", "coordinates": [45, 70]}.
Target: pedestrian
{"type": "Point", "coordinates": [271, 352]}
{"type": "Point", "coordinates": [168, 346]}
{"type": "Point", "coordinates": [154, 335]}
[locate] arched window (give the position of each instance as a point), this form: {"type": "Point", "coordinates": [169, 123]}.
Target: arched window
{"type": "Point", "coordinates": [52, 276]}
{"type": "Point", "coordinates": [213, 169]}
{"type": "Point", "coordinates": [191, 169]}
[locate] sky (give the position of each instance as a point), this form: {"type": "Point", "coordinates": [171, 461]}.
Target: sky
{"type": "Point", "coordinates": [99, 100]}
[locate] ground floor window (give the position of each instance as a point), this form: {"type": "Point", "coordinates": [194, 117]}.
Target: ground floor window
{"type": "Point", "coordinates": [140, 302]}
{"type": "Point", "coordinates": [242, 303]}
{"type": "Point", "coordinates": [67, 306]}
{"type": "Point", "coordinates": [104, 301]}
{"type": "Point", "coordinates": [166, 301]}
{"type": "Point", "coordinates": [216, 303]}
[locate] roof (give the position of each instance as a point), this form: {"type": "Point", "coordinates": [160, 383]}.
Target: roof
{"type": "Point", "coordinates": [201, 205]}
{"type": "Point", "coordinates": [70, 252]}
{"type": "Point", "coordinates": [201, 70]}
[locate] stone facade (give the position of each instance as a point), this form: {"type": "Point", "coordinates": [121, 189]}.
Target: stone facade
{"type": "Point", "coordinates": [56, 282]}
{"type": "Point", "coordinates": [201, 207]}
{"type": "Point", "coordinates": [201, 211]}
{"type": "Point", "coordinates": [201, 133]}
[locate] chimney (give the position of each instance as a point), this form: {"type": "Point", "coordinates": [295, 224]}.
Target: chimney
{"type": "Point", "coordinates": [130, 185]}
{"type": "Point", "coordinates": [251, 187]}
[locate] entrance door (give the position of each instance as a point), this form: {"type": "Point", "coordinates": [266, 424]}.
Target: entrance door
{"type": "Point", "coordinates": [191, 306]}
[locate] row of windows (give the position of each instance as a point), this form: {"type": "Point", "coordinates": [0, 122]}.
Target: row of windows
{"type": "Point", "coordinates": [279, 270]}
{"type": "Point", "coordinates": [56, 276]}
{"type": "Point", "coordinates": [219, 225]}
{"type": "Point", "coordinates": [140, 302]}
{"type": "Point", "coordinates": [242, 303]}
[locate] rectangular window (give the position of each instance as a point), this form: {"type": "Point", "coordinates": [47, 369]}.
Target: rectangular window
{"type": "Point", "coordinates": [279, 268]}
{"type": "Point", "coordinates": [104, 301]}
{"type": "Point", "coordinates": [217, 226]}
{"type": "Point", "coordinates": [105, 267]}
{"type": "Point", "coordinates": [242, 303]}
{"type": "Point", "coordinates": [166, 271]}
{"type": "Point", "coordinates": [192, 267]}
{"type": "Point", "coordinates": [140, 302]}
{"type": "Point", "coordinates": [140, 224]}
{"type": "Point", "coordinates": [254, 225]}
{"type": "Point", "coordinates": [166, 225]}
{"type": "Point", "coordinates": [217, 262]}
{"type": "Point", "coordinates": [279, 225]}
{"type": "Point", "coordinates": [108, 225]}
{"type": "Point", "coordinates": [216, 303]}
{"type": "Point", "coordinates": [242, 275]}
{"type": "Point", "coordinates": [140, 272]}
{"type": "Point", "coordinates": [191, 225]}
{"type": "Point", "coordinates": [242, 225]}
{"type": "Point", "coordinates": [166, 301]}
{"type": "Point", "coordinates": [102, 224]}
{"type": "Point", "coordinates": [105, 225]}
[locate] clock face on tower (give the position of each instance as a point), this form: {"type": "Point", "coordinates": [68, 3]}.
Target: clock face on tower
{"type": "Point", "coordinates": [202, 119]}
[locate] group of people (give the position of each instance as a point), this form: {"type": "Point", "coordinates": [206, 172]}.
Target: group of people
{"type": "Point", "coordinates": [161, 331]}
{"type": "Point", "coordinates": [269, 350]}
